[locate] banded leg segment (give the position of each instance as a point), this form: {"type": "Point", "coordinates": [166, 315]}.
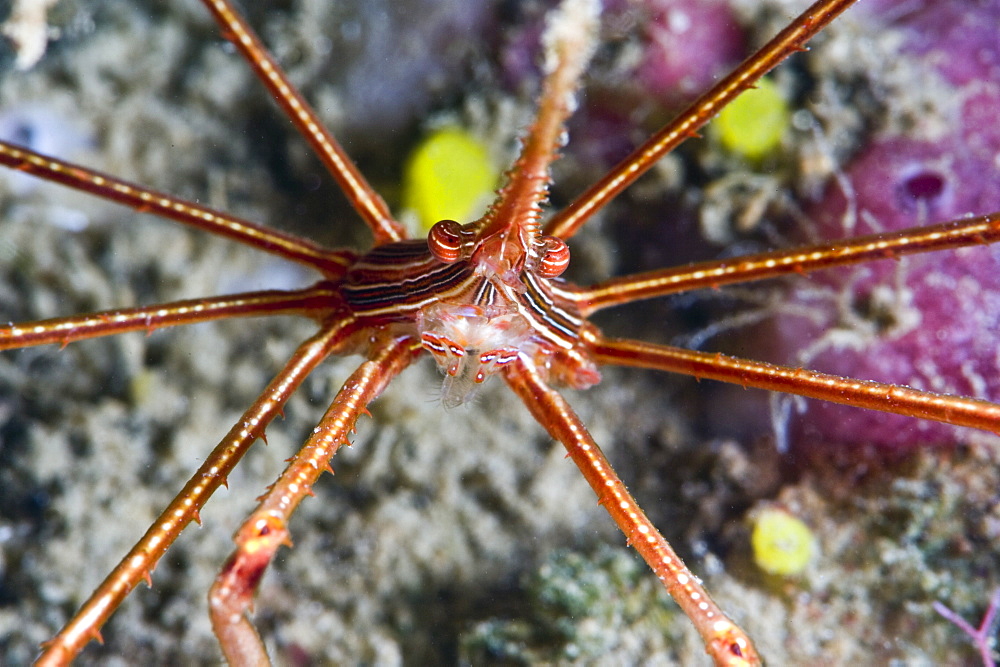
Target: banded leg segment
{"type": "Point", "coordinates": [313, 302]}
{"type": "Point", "coordinates": [362, 196]}
{"type": "Point", "coordinates": [724, 640]}
{"type": "Point", "coordinates": [981, 230]}
{"type": "Point", "coordinates": [140, 561]}
{"type": "Point", "coordinates": [790, 40]}
{"type": "Point", "coordinates": [257, 540]}
{"type": "Point", "coordinates": [332, 263]}
{"type": "Point", "coordinates": [896, 399]}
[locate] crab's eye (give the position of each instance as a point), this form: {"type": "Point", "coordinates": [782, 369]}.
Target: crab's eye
{"type": "Point", "coordinates": [555, 257]}
{"type": "Point", "coordinates": [445, 241]}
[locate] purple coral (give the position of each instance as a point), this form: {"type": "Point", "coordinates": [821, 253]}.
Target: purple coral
{"type": "Point", "coordinates": [957, 38]}
{"type": "Point", "coordinates": [689, 43]}
{"type": "Point", "coordinates": [982, 637]}
{"type": "Point", "coordinates": [929, 321]}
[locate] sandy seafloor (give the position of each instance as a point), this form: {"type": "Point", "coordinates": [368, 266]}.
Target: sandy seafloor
{"type": "Point", "coordinates": [445, 536]}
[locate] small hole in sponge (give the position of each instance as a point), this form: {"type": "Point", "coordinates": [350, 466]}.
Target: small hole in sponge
{"type": "Point", "coordinates": [923, 188]}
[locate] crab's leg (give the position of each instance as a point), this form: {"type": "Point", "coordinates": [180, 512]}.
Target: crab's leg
{"type": "Point", "coordinates": [724, 640]}
{"type": "Point", "coordinates": [314, 302]}
{"type": "Point", "coordinates": [981, 230]}
{"type": "Point", "coordinates": [955, 410]}
{"type": "Point", "coordinates": [332, 263]}
{"type": "Point", "coordinates": [790, 40]}
{"type": "Point", "coordinates": [140, 561]}
{"type": "Point", "coordinates": [362, 196]}
{"type": "Point", "coordinates": [259, 537]}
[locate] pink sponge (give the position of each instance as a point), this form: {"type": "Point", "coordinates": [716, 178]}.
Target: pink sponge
{"type": "Point", "coordinates": [930, 321]}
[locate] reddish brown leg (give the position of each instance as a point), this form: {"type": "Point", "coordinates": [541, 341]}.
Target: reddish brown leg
{"type": "Point", "coordinates": [312, 301]}
{"type": "Point", "coordinates": [790, 40]}
{"type": "Point", "coordinates": [257, 540]}
{"type": "Point", "coordinates": [331, 263]}
{"type": "Point", "coordinates": [141, 560]}
{"type": "Point", "coordinates": [981, 230]}
{"type": "Point", "coordinates": [724, 640]}
{"type": "Point", "coordinates": [362, 196]}
{"type": "Point", "coordinates": [955, 410]}
{"type": "Point", "coordinates": [528, 179]}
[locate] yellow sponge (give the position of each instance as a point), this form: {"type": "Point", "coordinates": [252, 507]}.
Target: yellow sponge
{"type": "Point", "coordinates": [449, 175]}
{"type": "Point", "coordinates": [782, 544]}
{"type": "Point", "coordinates": [754, 123]}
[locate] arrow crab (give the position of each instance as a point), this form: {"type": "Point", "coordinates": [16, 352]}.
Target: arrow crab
{"type": "Point", "coordinates": [388, 585]}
